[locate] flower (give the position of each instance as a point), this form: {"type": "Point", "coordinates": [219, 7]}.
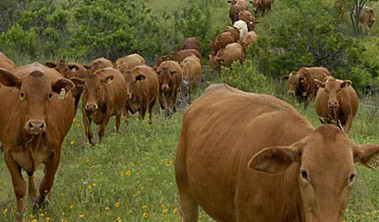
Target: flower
{"type": "Point", "coordinates": [117, 204]}
{"type": "Point", "coordinates": [145, 215]}
{"type": "Point", "coordinates": [5, 211]}
{"type": "Point", "coordinates": [106, 208]}
{"type": "Point", "coordinates": [72, 142]}
{"type": "Point", "coordinates": [81, 215]}
{"type": "Point", "coordinates": [118, 219]}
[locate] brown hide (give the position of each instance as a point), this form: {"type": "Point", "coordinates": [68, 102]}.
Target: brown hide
{"type": "Point", "coordinates": [237, 159]}
{"type": "Point", "coordinates": [235, 32]}
{"type": "Point", "coordinates": [68, 71]}
{"type": "Point", "coordinates": [301, 83]}
{"type": "Point", "coordinates": [221, 41]}
{"type": "Point", "coordinates": [35, 118]}
{"type": "Point", "coordinates": [249, 18]}
{"type": "Point", "coordinates": [177, 56]}
{"type": "Point", "coordinates": [104, 96]}
{"type": "Point", "coordinates": [98, 63]}
{"type": "Point", "coordinates": [127, 62]}
{"type": "Point", "coordinates": [142, 87]}
{"type": "Point", "coordinates": [192, 72]}
{"type": "Point", "coordinates": [336, 102]}
{"type": "Point", "coordinates": [248, 38]}
{"type": "Point", "coordinates": [6, 63]}
{"type": "Point", "coordinates": [234, 10]}
{"type": "Point", "coordinates": [226, 56]}
{"type": "Point", "coordinates": [190, 43]}
{"type": "Point", "coordinates": [367, 17]}
{"type": "Point", "coordinates": [170, 76]}
{"type": "Point", "coordinates": [261, 6]}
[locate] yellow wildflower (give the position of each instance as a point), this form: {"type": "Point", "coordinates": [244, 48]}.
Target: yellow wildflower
{"type": "Point", "coordinates": [81, 215]}
{"type": "Point", "coordinates": [5, 211]}
{"type": "Point", "coordinates": [117, 204]}
{"type": "Point", "coordinates": [118, 219]}
{"type": "Point", "coordinates": [72, 142]}
{"type": "Point", "coordinates": [106, 208]}
{"type": "Point", "coordinates": [145, 215]}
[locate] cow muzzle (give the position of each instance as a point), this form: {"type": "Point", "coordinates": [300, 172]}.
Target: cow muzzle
{"type": "Point", "coordinates": [165, 88]}
{"type": "Point", "coordinates": [290, 92]}
{"type": "Point", "coordinates": [35, 126]}
{"type": "Point", "coordinates": [91, 107]}
{"type": "Point", "coordinates": [332, 104]}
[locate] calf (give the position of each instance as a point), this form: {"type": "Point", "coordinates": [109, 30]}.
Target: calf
{"type": "Point", "coordinates": [261, 6]}
{"type": "Point", "coordinates": [242, 28]}
{"type": "Point", "coordinates": [37, 113]}
{"type": "Point", "coordinates": [249, 18]}
{"type": "Point", "coordinates": [142, 87]}
{"type": "Point", "coordinates": [192, 72]}
{"type": "Point", "coordinates": [252, 157]}
{"type": "Point", "coordinates": [221, 41]}
{"type": "Point", "coordinates": [226, 56]}
{"type": "Point", "coordinates": [104, 96]}
{"type": "Point", "coordinates": [170, 79]}
{"type": "Point", "coordinates": [367, 17]}
{"type": "Point", "coordinates": [336, 102]}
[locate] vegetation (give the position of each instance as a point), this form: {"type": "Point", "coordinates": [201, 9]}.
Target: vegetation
{"type": "Point", "coordinates": [131, 176]}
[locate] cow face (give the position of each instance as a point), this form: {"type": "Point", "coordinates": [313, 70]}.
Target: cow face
{"type": "Point", "coordinates": [132, 79]}
{"type": "Point", "coordinates": [93, 90]}
{"type": "Point", "coordinates": [333, 88]}
{"type": "Point", "coordinates": [325, 170]}
{"type": "Point", "coordinates": [36, 95]}
{"type": "Point", "coordinates": [165, 76]}
{"type": "Point", "coordinates": [293, 82]}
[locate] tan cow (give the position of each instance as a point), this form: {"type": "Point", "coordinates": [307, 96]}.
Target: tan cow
{"type": "Point", "coordinates": [249, 18]}
{"type": "Point", "coordinates": [170, 76]}
{"type": "Point", "coordinates": [104, 96]}
{"type": "Point", "coordinates": [252, 157]}
{"type": "Point", "coordinates": [226, 56]}
{"type": "Point", "coordinates": [142, 87]}
{"type": "Point", "coordinates": [6, 63]}
{"type": "Point", "coordinates": [177, 56]}
{"type": "Point", "coordinates": [68, 71]}
{"type": "Point", "coordinates": [221, 41]}
{"type": "Point", "coordinates": [301, 83]}
{"type": "Point", "coordinates": [261, 6]}
{"type": "Point", "coordinates": [192, 72]}
{"type": "Point", "coordinates": [98, 63]}
{"type": "Point", "coordinates": [248, 38]}
{"type": "Point", "coordinates": [190, 43]}
{"type": "Point", "coordinates": [127, 62]}
{"type": "Point", "coordinates": [37, 113]}
{"type": "Point", "coordinates": [367, 17]}
{"type": "Point", "coordinates": [236, 6]}
{"type": "Point", "coordinates": [336, 102]}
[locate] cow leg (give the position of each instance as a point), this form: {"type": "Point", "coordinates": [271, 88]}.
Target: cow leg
{"type": "Point", "coordinates": [87, 127]}
{"type": "Point", "coordinates": [102, 127]}
{"type": "Point", "coordinates": [32, 190]}
{"type": "Point", "coordinates": [151, 105]}
{"type": "Point", "coordinates": [47, 182]}
{"type": "Point", "coordinates": [19, 185]}
{"type": "Point", "coordinates": [174, 100]}
{"type": "Point", "coordinates": [161, 102]}
{"type": "Point", "coordinates": [348, 124]}
{"type": "Point", "coordinates": [118, 121]}
{"type": "Point", "coordinates": [189, 209]}
{"type": "Point", "coordinates": [167, 108]}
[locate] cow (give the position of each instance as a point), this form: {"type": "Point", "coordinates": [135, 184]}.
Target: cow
{"type": "Point", "coordinates": [142, 86]}
{"type": "Point", "coordinates": [236, 6]}
{"type": "Point", "coordinates": [98, 63]}
{"type": "Point", "coordinates": [301, 83]}
{"type": "Point", "coordinates": [336, 102]}
{"type": "Point", "coordinates": [192, 72]}
{"type": "Point", "coordinates": [235, 32]}
{"type": "Point", "coordinates": [248, 38]}
{"type": "Point", "coordinates": [221, 41]}
{"type": "Point", "coordinates": [367, 17]}
{"type": "Point", "coordinates": [104, 96]}
{"type": "Point", "coordinates": [249, 18]}
{"type": "Point", "coordinates": [68, 71]}
{"type": "Point", "coordinates": [127, 62]}
{"type": "Point", "coordinates": [170, 76]}
{"type": "Point", "coordinates": [190, 43]}
{"type": "Point", "coordinates": [242, 27]}
{"type": "Point", "coordinates": [261, 6]}
{"type": "Point", "coordinates": [226, 56]}
{"type": "Point", "coordinates": [252, 157]}
{"type": "Point", "coordinates": [37, 113]}
{"type": "Point", "coordinates": [6, 63]}
{"type": "Point", "coordinates": [176, 56]}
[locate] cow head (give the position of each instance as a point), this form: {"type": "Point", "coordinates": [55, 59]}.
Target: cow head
{"type": "Point", "coordinates": [132, 78]}
{"type": "Point", "coordinates": [325, 170]}
{"type": "Point", "coordinates": [160, 58]}
{"type": "Point", "coordinates": [372, 17]}
{"type": "Point", "coordinates": [165, 76]}
{"type": "Point", "coordinates": [93, 86]}
{"type": "Point", "coordinates": [65, 69]}
{"type": "Point", "coordinates": [293, 82]}
{"type": "Point", "coordinates": [333, 88]}
{"type": "Point", "coordinates": [36, 94]}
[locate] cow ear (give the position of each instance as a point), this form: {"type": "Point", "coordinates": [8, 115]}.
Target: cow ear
{"type": "Point", "coordinates": [50, 64]}
{"type": "Point", "coordinates": [286, 77]}
{"type": "Point", "coordinates": [8, 79]}
{"type": "Point", "coordinates": [319, 83]}
{"type": "Point", "coordinates": [79, 82]}
{"type": "Point", "coordinates": [346, 83]}
{"type": "Point", "coordinates": [61, 84]}
{"type": "Point", "coordinates": [140, 77]}
{"type": "Point", "coordinates": [73, 67]}
{"type": "Point", "coordinates": [173, 72]}
{"type": "Point", "coordinates": [274, 159]}
{"type": "Point", "coordinates": [368, 155]}
{"type": "Point", "coordinates": [108, 79]}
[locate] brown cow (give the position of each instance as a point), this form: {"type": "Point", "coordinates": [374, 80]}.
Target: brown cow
{"type": "Point", "coordinates": [142, 87]}
{"type": "Point", "coordinates": [6, 63]}
{"type": "Point", "coordinates": [226, 56]}
{"type": "Point", "coordinates": [221, 41]}
{"type": "Point", "coordinates": [190, 43]}
{"type": "Point", "coordinates": [367, 17]}
{"type": "Point", "coordinates": [235, 32]}
{"type": "Point", "coordinates": [249, 18]}
{"type": "Point", "coordinates": [336, 102]}
{"type": "Point", "coordinates": [68, 71]}
{"type": "Point", "coordinates": [192, 72]}
{"type": "Point", "coordinates": [238, 160]}
{"type": "Point", "coordinates": [127, 62]}
{"type": "Point", "coordinates": [170, 79]}
{"type": "Point", "coordinates": [176, 56]}
{"type": "Point", "coordinates": [301, 83]}
{"type": "Point", "coordinates": [248, 38]}
{"type": "Point", "coordinates": [37, 113]}
{"type": "Point", "coordinates": [261, 6]}
{"type": "Point", "coordinates": [104, 96]}
{"type": "Point", "coordinates": [98, 63]}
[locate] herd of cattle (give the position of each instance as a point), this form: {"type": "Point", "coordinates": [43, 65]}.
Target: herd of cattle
{"type": "Point", "coordinates": [218, 165]}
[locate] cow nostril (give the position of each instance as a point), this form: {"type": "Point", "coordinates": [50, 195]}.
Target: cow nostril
{"type": "Point", "coordinates": [35, 127]}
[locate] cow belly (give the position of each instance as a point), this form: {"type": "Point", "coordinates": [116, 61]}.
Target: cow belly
{"type": "Point", "coordinates": [28, 161]}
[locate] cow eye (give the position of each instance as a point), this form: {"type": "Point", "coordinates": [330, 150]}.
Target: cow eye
{"type": "Point", "coordinates": [99, 88]}
{"type": "Point", "coordinates": [50, 96]}
{"type": "Point", "coordinates": [351, 177]}
{"type": "Point", "coordinates": [303, 174]}
{"type": "Point", "coordinates": [22, 95]}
